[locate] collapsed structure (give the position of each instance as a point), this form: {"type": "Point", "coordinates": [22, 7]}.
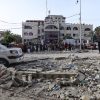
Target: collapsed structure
{"type": "Point", "coordinates": [70, 78]}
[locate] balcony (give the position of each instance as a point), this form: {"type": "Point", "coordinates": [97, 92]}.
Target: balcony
{"type": "Point", "coordinates": [53, 30]}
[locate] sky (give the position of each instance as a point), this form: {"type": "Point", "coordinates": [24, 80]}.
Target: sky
{"type": "Point", "coordinates": [14, 12]}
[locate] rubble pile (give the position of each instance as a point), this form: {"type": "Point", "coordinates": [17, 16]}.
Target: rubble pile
{"type": "Point", "coordinates": [8, 78]}
{"type": "Point", "coordinates": [84, 85]}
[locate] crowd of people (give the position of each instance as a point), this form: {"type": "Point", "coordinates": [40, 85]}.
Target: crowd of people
{"type": "Point", "coordinates": [28, 48]}
{"type": "Point", "coordinates": [51, 47]}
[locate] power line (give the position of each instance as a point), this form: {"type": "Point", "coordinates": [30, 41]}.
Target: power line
{"type": "Point", "coordinates": [23, 27]}
{"type": "Point", "coordinates": [46, 7]}
{"type": "Point", "coordinates": [8, 22]}
{"type": "Point", "coordinates": [12, 28]}
{"type": "Point", "coordinates": [16, 28]}
{"type": "Point", "coordinates": [72, 15]}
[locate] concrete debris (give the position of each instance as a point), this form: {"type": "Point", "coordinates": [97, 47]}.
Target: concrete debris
{"type": "Point", "coordinates": [60, 58]}
{"type": "Point", "coordinates": [62, 78]}
{"type": "Point", "coordinates": [8, 78]}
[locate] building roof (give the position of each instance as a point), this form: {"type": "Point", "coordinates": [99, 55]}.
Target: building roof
{"type": "Point", "coordinates": [34, 20]}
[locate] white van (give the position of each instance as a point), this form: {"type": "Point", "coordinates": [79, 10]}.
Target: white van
{"type": "Point", "coordinates": [10, 55]}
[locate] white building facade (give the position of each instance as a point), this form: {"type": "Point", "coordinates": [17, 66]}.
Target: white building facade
{"type": "Point", "coordinates": [32, 30]}
{"type": "Point", "coordinates": [53, 30]}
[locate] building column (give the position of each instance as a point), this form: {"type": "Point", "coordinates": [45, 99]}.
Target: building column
{"type": "Point", "coordinates": [29, 77]}
{"type": "Point", "coordinates": [24, 78]}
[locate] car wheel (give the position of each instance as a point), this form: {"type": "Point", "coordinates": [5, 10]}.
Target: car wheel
{"type": "Point", "coordinates": [4, 62]}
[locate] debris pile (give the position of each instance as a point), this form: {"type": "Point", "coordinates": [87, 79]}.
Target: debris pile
{"type": "Point", "coordinates": [48, 79]}
{"type": "Point", "coordinates": [8, 78]}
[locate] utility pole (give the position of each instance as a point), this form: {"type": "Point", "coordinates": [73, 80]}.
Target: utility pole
{"type": "Point", "coordinates": [80, 27]}
{"type": "Point", "coordinates": [46, 7]}
{"type": "Point", "coordinates": [58, 33]}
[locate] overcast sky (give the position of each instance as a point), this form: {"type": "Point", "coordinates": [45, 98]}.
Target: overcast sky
{"type": "Point", "coordinates": [17, 11]}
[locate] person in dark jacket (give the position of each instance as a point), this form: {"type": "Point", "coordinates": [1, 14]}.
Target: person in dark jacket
{"type": "Point", "coordinates": [99, 46]}
{"type": "Point", "coordinates": [98, 40]}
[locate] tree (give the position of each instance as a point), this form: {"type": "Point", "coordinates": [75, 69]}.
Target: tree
{"type": "Point", "coordinates": [10, 37]}
{"type": "Point", "coordinates": [96, 36]}
{"type": "Point", "coordinates": [92, 35]}
{"type": "Point", "coordinates": [17, 38]}
{"type": "Point", "coordinates": [97, 30]}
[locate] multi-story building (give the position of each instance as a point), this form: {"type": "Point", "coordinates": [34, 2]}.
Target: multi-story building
{"type": "Point", "coordinates": [53, 30]}
{"type": "Point", "coordinates": [32, 30]}
{"type": "Point", "coordinates": [74, 31]}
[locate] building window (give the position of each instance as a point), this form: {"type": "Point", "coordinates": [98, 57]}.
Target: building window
{"type": "Point", "coordinates": [25, 33]}
{"type": "Point", "coordinates": [38, 23]}
{"type": "Point", "coordinates": [30, 34]}
{"type": "Point", "coordinates": [51, 27]}
{"type": "Point", "coordinates": [74, 35]}
{"type": "Point", "coordinates": [62, 34]}
{"type": "Point", "coordinates": [27, 27]}
{"type": "Point", "coordinates": [61, 28]}
{"type": "Point", "coordinates": [68, 28]}
{"type": "Point", "coordinates": [75, 28]}
{"type": "Point", "coordinates": [42, 37]}
{"type": "Point", "coordinates": [84, 34]}
{"type": "Point", "coordinates": [87, 29]}
{"type": "Point", "coordinates": [24, 40]}
{"type": "Point", "coordinates": [42, 23]}
{"type": "Point", "coordinates": [68, 34]}
{"type": "Point", "coordinates": [38, 31]}
{"type": "Point", "coordinates": [27, 40]}
{"type": "Point", "coordinates": [42, 30]}
{"type": "Point", "coordinates": [53, 36]}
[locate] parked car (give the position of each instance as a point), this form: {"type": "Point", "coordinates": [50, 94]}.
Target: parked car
{"type": "Point", "coordinates": [10, 55]}
{"type": "Point", "coordinates": [92, 46]}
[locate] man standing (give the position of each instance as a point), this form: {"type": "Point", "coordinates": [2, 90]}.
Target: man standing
{"type": "Point", "coordinates": [99, 46]}
{"type": "Point", "coordinates": [97, 34]}
{"type": "Point", "coordinates": [98, 40]}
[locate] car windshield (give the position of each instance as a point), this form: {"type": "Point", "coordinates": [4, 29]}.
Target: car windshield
{"type": "Point", "coordinates": [3, 47]}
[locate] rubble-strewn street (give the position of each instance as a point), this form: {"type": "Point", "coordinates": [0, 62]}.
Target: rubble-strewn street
{"type": "Point", "coordinates": [52, 76]}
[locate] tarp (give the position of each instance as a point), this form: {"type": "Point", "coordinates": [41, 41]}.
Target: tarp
{"type": "Point", "coordinates": [70, 41]}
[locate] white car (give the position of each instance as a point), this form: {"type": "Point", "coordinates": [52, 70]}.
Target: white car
{"type": "Point", "coordinates": [10, 55]}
